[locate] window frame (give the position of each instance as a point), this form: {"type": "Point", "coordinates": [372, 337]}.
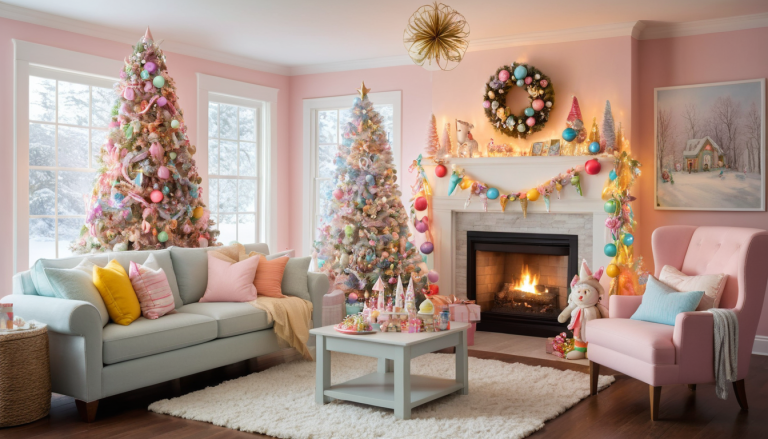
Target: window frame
{"type": "Point", "coordinates": [311, 109]}
{"type": "Point", "coordinates": [68, 66]}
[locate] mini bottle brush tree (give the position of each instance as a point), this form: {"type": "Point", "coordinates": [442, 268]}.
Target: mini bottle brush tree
{"type": "Point", "coordinates": [146, 195]}
{"type": "Point", "coordinates": [364, 232]}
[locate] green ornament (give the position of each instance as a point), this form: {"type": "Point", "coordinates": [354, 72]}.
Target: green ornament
{"type": "Point", "coordinates": [166, 190]}
{"type": "Point", "coordinates": [158, 82]}
{"type": "Point", "coordinates": [174, 123]}
{"type": "Point", "coordinates": [348, 230]}
{"type": "Point", "coordinates": [172, 155]}
{"type": "Point", "coordinates": [162, 236]}
{"type": "Point", "coordinates": [610, 206]}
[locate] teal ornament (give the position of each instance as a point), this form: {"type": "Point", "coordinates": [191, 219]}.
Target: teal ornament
{"type": "Point", "coordinates": [174, 123]}
{"type": "Point", "coordinates": [521, 72]}
{"type": "Point", "coordinates": [162, 236]}
{"type": "Point", "coordinates": [370, 179]}
{"type": "Point", "coordinates": [144, 74]}
{"type": "Point", "coordinates": [594, 147]}
{"type": "Point", "coordinates": [158, 82]}
{"type": "Point", "coordinates": [520, 83]}
{"type": "Point", "coordinates": [628, 239]}
{"type": "Point", "coordinates": [172, 155]}
{"type": "Point", "coordinates": [610, 250]}
{"type": "Point", "coordinates": [612, 175]}
{"type": "Point", "coordinates": [492, 193]}
{"type": "Point", "coordinates": [510, 122]}
{"type": "Point", "coordinates": [118, 197]}
{"type": "Point", "coordinates": [408, 245]}
{"type": "Point", "coordinates": [139, 180]}
{"type": "Point", "coordinates": [529, 111]}
{"type": "Point", "coordinates": [610, 206]}
{"type": "Point", "coordinates": [521, 128]}
{"type": "Point", "coordinates": [166, 190]}
{"type": "Point", "coordinates": [569, 134]}
{"type": "Point", "coordinates": [193, 191]}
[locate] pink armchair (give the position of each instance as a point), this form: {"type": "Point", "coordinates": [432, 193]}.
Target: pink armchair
{"type": "Point", "coordinates": [683, 354]}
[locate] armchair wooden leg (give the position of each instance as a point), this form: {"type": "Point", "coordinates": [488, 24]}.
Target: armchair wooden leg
{"type": "Point", "coordinates": [594, 374]}
{"type": "Point", "coordinates": [741, 394]}
{"type": "Point", "coordinates": [655, 393]}
{"type": "Point", "coordinates": [87, 410]}
{"type": "Point", "coordinates": [692, 387]}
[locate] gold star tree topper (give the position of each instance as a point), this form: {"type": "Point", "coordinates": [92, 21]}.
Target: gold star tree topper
{"type": "Point", "coordinates": [363, 91]}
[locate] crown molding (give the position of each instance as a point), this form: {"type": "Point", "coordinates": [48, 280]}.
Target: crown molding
{"type": "Point", "coordinates": [80, 27]}
{"type": "Point", "coordinates": [673, 30]}
{"type": "Point", "coordinates": [555, 36]}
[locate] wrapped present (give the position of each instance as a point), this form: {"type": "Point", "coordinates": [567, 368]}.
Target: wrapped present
{"type": "Point", "coordinates": [464, 312]}
{"type": "Point", "coordinates": [550, 341]}
{"type": "Point", "coordinates": [471, 334]}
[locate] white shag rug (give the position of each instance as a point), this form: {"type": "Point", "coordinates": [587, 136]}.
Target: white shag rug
{"type": "Point", "coordinates": [506, 400]}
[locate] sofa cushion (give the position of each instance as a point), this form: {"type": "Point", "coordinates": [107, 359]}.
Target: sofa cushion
{"type": "Point", "coordinates": [115, 288]}
{"type": "Point", "coordinates": [258, 248]}
{"type": "Point", "coordinates": [231, 318]}
{"type": "Point", "coordinates": [191, 267]}
{"type": "Point", "coordinates": [40, 280]}
{"type": "Point", "coordinates": [646, 341]}
{"type": "Point", "coordinates": [163, 259]}
{"type": "Point", "coordinates": [77, 284]}
{"type": "Point", "coordinates": [295, 278]}
{"type": "Point", "coordinates": [146, 337]}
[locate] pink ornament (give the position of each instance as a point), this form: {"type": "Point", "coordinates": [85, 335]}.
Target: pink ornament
{"type": "Point", "coordinates": [337, 194]}
{"type": "Point", "coordinates": [148, 87]}
{"type": "Point", "coordinates": [421, 227]}
{"type": "Point", "coordinates": [528, 80]}
{"type": "Point", "coordinates": [156, 151]}
{"type": "Point", "coordinates": [163, 172]}
{"type": "Point", "coordinates": [487, 104]}
{"type": "Point", "coordinates": [537, 105]}
{"type": "Point", "coordinates": [433, 276]}
{"type": "Point", "coordinates": [427, 248]}
{"type": "Point", "coordinates": [352, 297]}
{"type": "Point", "coordinates": [544, 83]}
{"type": "Point", "coordinates": [161, 101]}
{"type": "Point", "coordinates": [504, 76]}
{"type": "Point", "coordinates": [129, 94]}
{"type": "Point", "coordinates": [156, 196]}
{"type": "Point", "coordinates": [150, 67]}
{"type": "Point", "coordinates": [531, 121]}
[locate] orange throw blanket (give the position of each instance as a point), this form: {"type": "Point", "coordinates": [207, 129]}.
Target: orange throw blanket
{"type": "Point", "coordinates": [291, 317]}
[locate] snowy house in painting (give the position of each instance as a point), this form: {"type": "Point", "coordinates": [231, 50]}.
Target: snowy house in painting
{"type": "Point", "coordinates": [702, 155]}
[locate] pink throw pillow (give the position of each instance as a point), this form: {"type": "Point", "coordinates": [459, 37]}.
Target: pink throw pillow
{"type": "Point", "coordinates": [230, 282]}
{"type": "Point", "coordinates": [152, 289]}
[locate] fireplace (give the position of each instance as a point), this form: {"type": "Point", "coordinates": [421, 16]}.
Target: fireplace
{"type": "Point", "coordinates": [520, 280]}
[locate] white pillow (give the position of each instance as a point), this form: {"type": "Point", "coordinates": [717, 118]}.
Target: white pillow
{"type": "Point", "coordinates": [711, 284]}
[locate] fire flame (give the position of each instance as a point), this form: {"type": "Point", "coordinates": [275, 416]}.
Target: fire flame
{"type": "Point", "coordinates": [527, 282]}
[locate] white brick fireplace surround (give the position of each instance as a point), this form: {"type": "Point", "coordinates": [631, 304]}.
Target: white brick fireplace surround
{"type": "Point", "coordinates": [571, 215]}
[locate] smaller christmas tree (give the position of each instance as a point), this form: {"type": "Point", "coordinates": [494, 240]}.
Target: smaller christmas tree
{"type": "Point", "coordinates": [433, 140]}
{"type": "Point", "coordinates": [594, 133]}
{"type": "Point", "coordinates": [621, 141]}
{"type": "Point", "coordinates": [446, 147]}
{"type": "Point", "coordinates": [576, 122]}
{"type": "Point", "coordinates": [608, 143]}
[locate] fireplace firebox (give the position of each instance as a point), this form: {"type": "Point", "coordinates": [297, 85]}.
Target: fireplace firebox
{"type": "Point", "coordinates": [520, 280]}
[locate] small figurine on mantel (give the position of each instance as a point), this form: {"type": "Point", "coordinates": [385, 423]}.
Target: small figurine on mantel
{"type": "Point", "coordinates": [467, 146]}
{"type": "Point", "coordinates": [379, 288]}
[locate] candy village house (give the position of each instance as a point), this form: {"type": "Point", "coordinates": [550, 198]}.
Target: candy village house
{"type": "Point", "coordinates": [702, 155]}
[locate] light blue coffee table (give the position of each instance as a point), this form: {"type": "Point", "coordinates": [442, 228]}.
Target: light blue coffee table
{"type": "Point", "coordinates": [392, 386]}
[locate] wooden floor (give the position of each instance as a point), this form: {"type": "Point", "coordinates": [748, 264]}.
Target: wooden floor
{"type": "Point", "coordinates": [622, 410]}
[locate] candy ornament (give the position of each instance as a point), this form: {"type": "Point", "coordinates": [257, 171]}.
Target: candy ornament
{"type": "Point", "coordinates": [465, 183]}
{"type": "Point", "coordinates": [503, 202]}
{"type": "Point", "coordinates": [455, 180]}
{"type": "Point", "coordinates": [576, 182]}
{"type": "Point", "coordinates": [524, 206]}
{"type": "Point", "coordinates": [533, 194]}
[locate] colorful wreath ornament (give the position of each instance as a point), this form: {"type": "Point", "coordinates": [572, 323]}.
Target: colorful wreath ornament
{"type": "Point", "coordinates": [540, 92]}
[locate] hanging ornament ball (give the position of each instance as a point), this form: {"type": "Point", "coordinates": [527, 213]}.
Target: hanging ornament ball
{"type": "Point", "coordinates": [533, 194]}
{"type": "Point", "coordinates": [441, 171]}
{"type": "Point", "coordinates": [504, 75]}
{"type": "Point", "coordinates": [528, 80]}
{"type": "Point", "coordinates": [352, 298]}
{"type": "Point", "coordinates": [628, 239]}
{"type": "Point", "coordinates": [348, 229]}
{"type": "Point", "coordinates": [491, 95]}
{"type": "Point", "coordinates": [592, 167]}
{"type": "Point", "coordinates": [427, 248]}
{"type": "Point", "coordinates": [161, 101]}
{"type": "Point", "coordinates": [549, 104]}
{"type": "Point", "coordinates": [151, 67]}
{"type": "Point", "coordinates": [421, 227]}
{"type": "Point", "coordinates": [156, 196]}
{"type": "Point", "coordinates": [544, 83]}
{"type": "Point", "coordinates": [520, 83]}
{"type": "Point", "coordinates": [612, 270]}
{"type": "Point", "coordinates": [521, 128]}
{"type": "Point", "coordinates": [610, 206]}
{"type": "Point", "coordinates": [158, 82]}
{"type": "Point", "coordinates": [529, 111]}
{"type": "Point", "coordinates": [420, 204]}
{"type": "Point", "coordinates": [610, 250]}
{"type": "Point", "coordinates": [144, 74]}
{"type": "Point", "coordinates": [337, 194]}
{"type": "Point", "coordinates": [537, 105]}
{"type": "Point", "coordinates": [594, 147]}
{"type": "Point", "coordinates": [434, 290]}
{"type": "Point", "coordinates": [510, 122]}
{"type": "Point", "coordinates": [433, 276]}
{"type": "Point", "coordinates": [492, 193]}
{"type": "Point", "coordinates": [198, 212]}
{"type": "Point", "coordinates": [531, 121]}
{"type": "Point", "coordinates": [162, 236]}
{"type": "Point", "coordinates": [163, 172]}
{"type": "Point", "coordinates": [172, 155]}
{"type": "Point", "coordinates": [174, 124]}
{"type": "Point", "coordinates": [495, 105]}
{"type": "Point", "coordinates": [612, 175]}
{"type": "Point", "coordinates": [370, 179]}
{"type": "Point", "coordinates": [486, 104]}
{"type": "Point", "coordinates": [537, 76]}
{"type": "Point", "coordinates": [521, 72]}
{"type": "Point", "coordinates": [166, 190]}
{"type": "Point", "coordinates": [569, 134]}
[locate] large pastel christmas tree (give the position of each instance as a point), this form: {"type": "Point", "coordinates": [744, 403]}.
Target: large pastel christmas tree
{"type": "Point", "coordinates": [146, 195]}
{"type": "Point", "coordinates": [364, 233]}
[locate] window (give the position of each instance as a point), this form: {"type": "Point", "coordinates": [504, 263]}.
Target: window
{"type": "Point", "coordinates": [325, 119]}
{"type": "Point", "coordinates": [233, 166]}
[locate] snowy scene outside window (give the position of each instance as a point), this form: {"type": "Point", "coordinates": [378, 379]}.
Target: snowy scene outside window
{"type": "Point", "coordinates": [330, 127]}
{"type": "Point", "coordinates": [67, 126]}
{"type": "Point", "coordinates": [232, 171]}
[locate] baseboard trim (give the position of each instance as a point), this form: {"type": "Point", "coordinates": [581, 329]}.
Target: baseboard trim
{"type": "Point", "coordinates": [761, 345]}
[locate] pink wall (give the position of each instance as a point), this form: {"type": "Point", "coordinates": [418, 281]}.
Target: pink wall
{"type": "Point", "coordinates": [183, 68]}
{"type": "Point", "coordinates": [727, 56]}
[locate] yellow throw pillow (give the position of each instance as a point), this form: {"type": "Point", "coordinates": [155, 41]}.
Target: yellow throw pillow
{"type": "Point", "coordinates": [116, 289]}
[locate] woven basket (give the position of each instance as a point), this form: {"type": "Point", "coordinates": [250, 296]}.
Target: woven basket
{"type": "Point", "coordinates": [25, 377]}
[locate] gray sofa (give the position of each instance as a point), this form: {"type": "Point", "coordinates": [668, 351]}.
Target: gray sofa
{"type": "Point", "coordinates": [90, 361]}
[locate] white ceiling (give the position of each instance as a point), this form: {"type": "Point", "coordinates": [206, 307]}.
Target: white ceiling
{"type": "Point", "coordinates": [288, 35]}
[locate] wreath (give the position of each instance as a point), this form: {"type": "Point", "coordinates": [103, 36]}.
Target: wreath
{"type": "Point", "coordinates": [540, 92]}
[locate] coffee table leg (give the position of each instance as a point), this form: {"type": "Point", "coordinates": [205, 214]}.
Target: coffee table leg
{"type": "Point", "coordinates": [462, 366]}
{"type": "Point", "coordinates": [385, 365]}
{"type": "Point", "coordinates": [323, 371]}
{"type": "Point", "coordinates": [403, 384]}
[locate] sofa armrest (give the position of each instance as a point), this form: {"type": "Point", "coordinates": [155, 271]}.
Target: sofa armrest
{"type": "Point", "coordinates": [694, 351]}
{"type": "Point", "coordinates": [622, 307]}
{"type": "Point", "coordinates": [318, 286]}
{"type": "Point", "coordinates": [74, 334]}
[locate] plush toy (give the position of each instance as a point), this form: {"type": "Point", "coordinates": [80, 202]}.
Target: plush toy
{"type": "Point", "coordinates": [583, 306]}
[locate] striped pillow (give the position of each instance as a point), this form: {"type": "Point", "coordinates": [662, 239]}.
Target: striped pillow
{"type": "Point", "coordinates": [152, 288]}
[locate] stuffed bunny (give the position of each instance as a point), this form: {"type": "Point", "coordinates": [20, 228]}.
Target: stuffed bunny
{"type": "Point", "coordinates": [583, 306]}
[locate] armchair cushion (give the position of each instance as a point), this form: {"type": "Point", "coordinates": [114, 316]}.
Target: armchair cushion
{"type": "Point", "coordinates": [648, 342]}
{"type": "Point", "coordinates": [712, 285]}
{"type": "Point", "coordinates": [662, 303]}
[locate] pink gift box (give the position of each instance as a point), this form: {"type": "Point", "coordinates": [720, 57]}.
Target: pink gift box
{"type": "Point", "coordinates": [464, 313]}
{"type": "Point", "coordinates": [549, 347]}
{"type": "Point", "coordinates": [471, 334]}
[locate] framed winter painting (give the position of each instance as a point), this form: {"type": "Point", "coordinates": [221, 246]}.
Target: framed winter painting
{"type": "Point", "coordinates": [710, 146]}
